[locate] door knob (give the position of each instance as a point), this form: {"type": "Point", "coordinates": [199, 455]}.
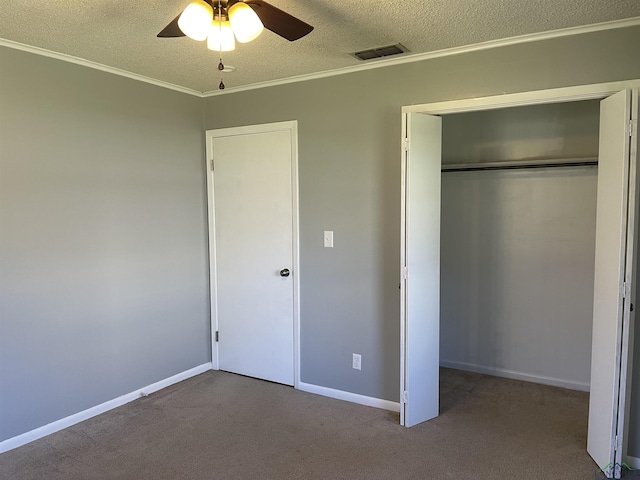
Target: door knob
{"type": "Point", "coordinates": [284, 272]}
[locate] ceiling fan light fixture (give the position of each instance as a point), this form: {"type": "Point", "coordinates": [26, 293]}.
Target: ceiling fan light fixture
{"type": "Point", "coordinates": [245, 23]}
{"type": "Point", "coordinates": [195, 20]}
{"type": "Point", "coordinates": [221, 37]}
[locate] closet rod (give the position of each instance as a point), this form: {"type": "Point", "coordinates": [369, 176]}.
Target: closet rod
{"type": "Point", "coordinates": [521, 164]}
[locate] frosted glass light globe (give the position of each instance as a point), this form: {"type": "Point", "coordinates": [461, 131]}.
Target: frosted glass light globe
{"type": "Point", "coordinates": [195, 20]}
{"type": "Point", "coordinates": [245, 23]}
{"type": "Point", "coordinates": [221, 37]}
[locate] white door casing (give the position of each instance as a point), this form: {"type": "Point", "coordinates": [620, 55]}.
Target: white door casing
{"type": "Point", "coordinates": [612, 283]}
{"type": "Point", "coordinates": [420, 264]}
{"type": "Point", "coordinates": [253, 238]}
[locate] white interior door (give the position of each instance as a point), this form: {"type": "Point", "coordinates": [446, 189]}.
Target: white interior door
{"type": "Point", "coordinates": [612, 282]}
{"type": "Point", "coordinates": [420, 288]}
{"type": "Point", "coordinates": [254, 253]}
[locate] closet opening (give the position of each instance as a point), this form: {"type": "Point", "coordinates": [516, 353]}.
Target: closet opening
{"type": "Point", "coordinates": [518, 256]}
{"type": "Point", "coordinates": [517, 242]}
{"type": "Point", "coordinates": [517, 245]}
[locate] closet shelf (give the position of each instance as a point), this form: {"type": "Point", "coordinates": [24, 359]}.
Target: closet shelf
{"type": "Point", "coordinates": [521, 164]}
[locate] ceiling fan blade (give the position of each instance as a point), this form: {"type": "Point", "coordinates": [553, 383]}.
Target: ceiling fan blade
{"type": "Point", "coordinates": [280, 22]}
{"type": "Point", "coordinates": [172, 30]}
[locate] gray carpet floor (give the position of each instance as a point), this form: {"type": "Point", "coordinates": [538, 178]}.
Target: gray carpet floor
{"type": "Point", "coordinates": [223, 426]}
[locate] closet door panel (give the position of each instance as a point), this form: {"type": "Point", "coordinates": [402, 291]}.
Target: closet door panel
{"type": "Point", "coordinates": [609, 295]}
{"type": "Point", "coordinates": [421, 263]}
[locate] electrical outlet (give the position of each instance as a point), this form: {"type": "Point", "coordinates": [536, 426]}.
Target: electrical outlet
{"type": "Point", "coordinates": [357, 361]}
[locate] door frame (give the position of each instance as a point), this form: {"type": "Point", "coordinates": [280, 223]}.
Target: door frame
{"type": "Point", "coordinates": [555, 95]}
{"type": "Point", "coordinates": [292, 127]}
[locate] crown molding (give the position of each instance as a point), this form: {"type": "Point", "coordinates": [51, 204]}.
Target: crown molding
{"type": "Point", "coordinates": [418, 57]}
{"type": "Point", "coordinates": [533, 37]}
{"type": "Point", "coordinates": [96, 66]}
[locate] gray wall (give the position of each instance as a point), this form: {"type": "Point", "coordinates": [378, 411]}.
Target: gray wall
{"type": "Point", "coordinates": [103, 258]}
{"type": "Point", "coordinates": [349, 143]}
{"type": "Point", "coordinates": [554, 130]}
{"type": "Point", "coordinates": [518, 245]}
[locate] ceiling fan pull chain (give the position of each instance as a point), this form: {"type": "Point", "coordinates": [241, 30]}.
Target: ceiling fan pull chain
{"type": "Point", "coordinates": [221, 68]}
{"type": "Point", "coordinates": [220, 65]}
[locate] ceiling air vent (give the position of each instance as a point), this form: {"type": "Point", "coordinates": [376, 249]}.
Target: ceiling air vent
{"type": "Point", "coordinates": [387, 51]}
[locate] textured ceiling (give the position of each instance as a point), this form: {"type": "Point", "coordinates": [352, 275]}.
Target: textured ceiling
{"type": "Point", "coordinates": [122, 33]}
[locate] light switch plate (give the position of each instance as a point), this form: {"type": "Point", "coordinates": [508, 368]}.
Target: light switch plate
{"type": "Point", "coordinates": [328, 239]}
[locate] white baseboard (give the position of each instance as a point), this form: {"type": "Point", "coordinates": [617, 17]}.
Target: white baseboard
{"type": "Point", "coordinates": [527, 377]}
{"type": "Point", "coordinates": [633, 462]}
{"type": "Point", "coordinates": [349, 397]}
{"type": "Point", "coordinates": [63, 423]}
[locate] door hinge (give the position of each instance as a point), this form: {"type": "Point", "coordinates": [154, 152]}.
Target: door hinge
{"type": "Point", "coordinates": [617, 442]}
{"type": "Point", "coordinates": [632, 126]}
{"type": "Point", "coordinates": [404, 274]}
{"type": "Point", "coordinates": [211, 164]}
{"type": "Point", "coordinates": [405, 396]}
{"type": "Point", "coordinates": [626, 290]}
{"type": "Point", "coordinates": [406, 144]}
{"type": "Point", "coordinates": [217, 336]}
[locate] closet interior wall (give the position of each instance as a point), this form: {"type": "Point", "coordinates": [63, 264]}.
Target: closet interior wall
{"type": "Point", "coordinates": [517, 245]}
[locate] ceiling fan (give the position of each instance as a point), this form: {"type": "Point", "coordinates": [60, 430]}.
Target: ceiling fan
{"type": "Point", "coordinates": [218, 21]}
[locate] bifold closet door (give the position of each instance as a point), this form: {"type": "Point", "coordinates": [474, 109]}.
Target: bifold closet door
{"type": "Point", "coordinates": [615, 219]}
{"type": "Point", "coordinates": [420, 266]}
